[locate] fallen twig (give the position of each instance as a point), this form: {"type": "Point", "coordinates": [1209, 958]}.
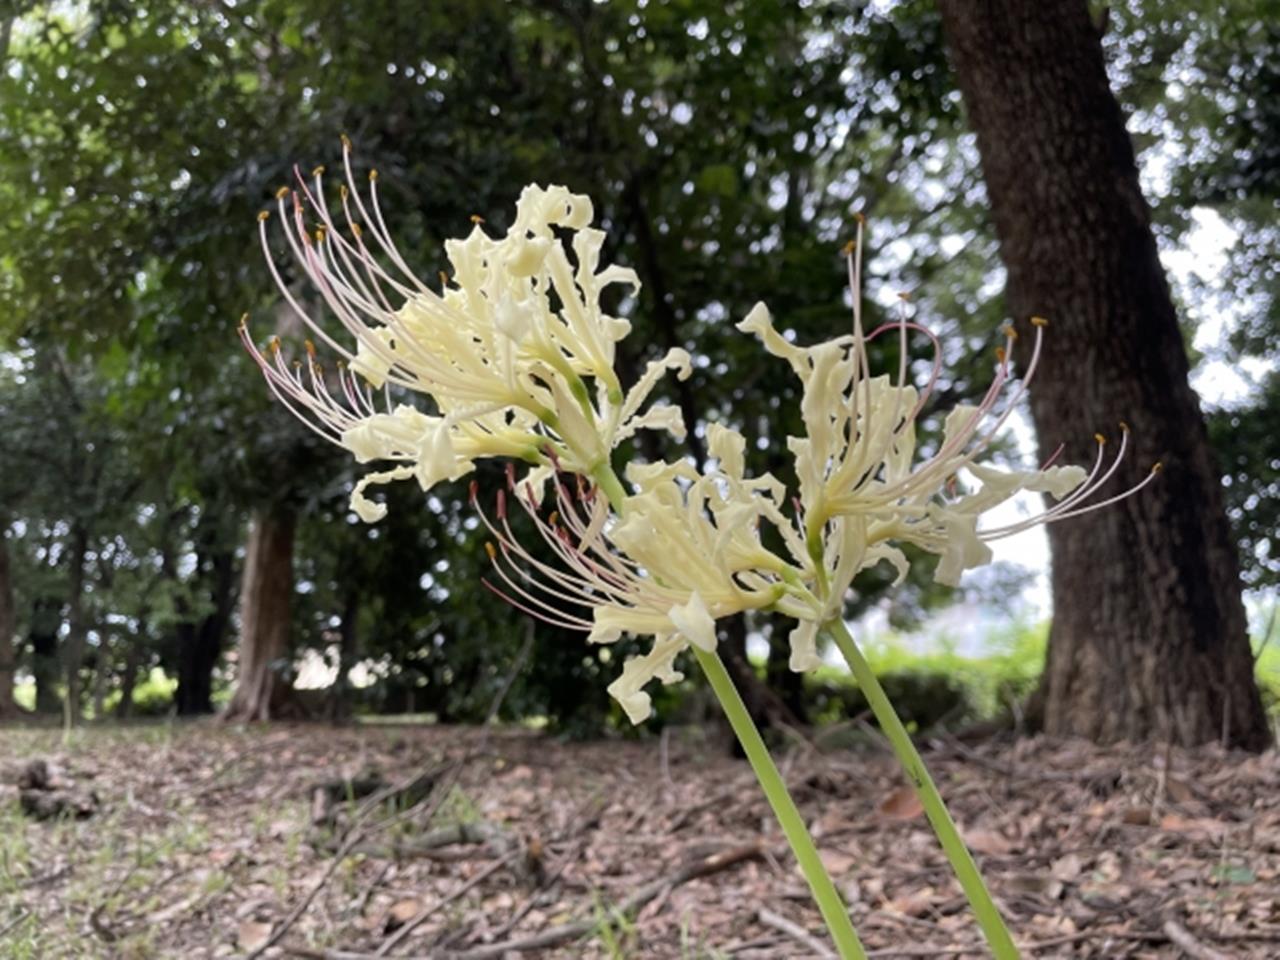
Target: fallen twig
{"type": "Point", "coordinates": [794, 931]}
{"type": "Point", "coordinates": [353, 838]}
{"type": "Point", "coordinates": [581, 928]}
{"type": "Point", "coordinates": [15, 922]}
{"type": "Point", "coordinates": [427, 912]}
{"type": "Point", "coordinates": [1182, 938]}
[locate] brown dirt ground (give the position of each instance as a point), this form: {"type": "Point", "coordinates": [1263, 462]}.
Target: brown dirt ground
{"type": "Point", "coordinates": [204, 844]}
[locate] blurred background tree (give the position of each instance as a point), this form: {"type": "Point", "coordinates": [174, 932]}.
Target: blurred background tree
{"type": "Point", "coordinates": [726, 147]}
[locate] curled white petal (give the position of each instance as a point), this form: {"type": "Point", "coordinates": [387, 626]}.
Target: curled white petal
{"type": "Point", "coordinates": [370, 511]}
{"type": "Point", "coordinates": [658, 663]}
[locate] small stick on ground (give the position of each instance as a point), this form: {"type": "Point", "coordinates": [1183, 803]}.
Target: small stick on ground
{"type": "Point", "coordinates": [1182, 938]}
{"type": "Point", "coordinates": [353, 838]}
{"type": "Point", "coordinates": [581, 928]}
{"type": "Point", "coordinates": [795, 932]}
{"type": "Point", "coordinates": [427, 912]}
{"type": "Point", "coordinates": [15, 922]}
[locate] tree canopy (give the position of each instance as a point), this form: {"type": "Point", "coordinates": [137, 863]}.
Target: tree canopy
{"type": "Point", "coordinates": [726, 148]}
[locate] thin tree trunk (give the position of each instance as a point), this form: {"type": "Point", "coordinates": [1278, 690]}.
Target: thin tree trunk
{"type": "Point", "coordinates": [132, 661]}
{"type": "Point", "coordinates": [338, 704]}
{"type": "Point", "coordinates": [1149, 633]}
{"type": "Point", "coordinates": [8, 628]}
{"type": "Point", "coordinates": [101, 678]}
{"type": "Point", "coordinates": [199, 645]}
{"type": "Point", "coordinates": [265, 596]}
{"type": "Point", "coordinates": [45, 621]}
{"type": "Point", "coordinates": [73, 646]}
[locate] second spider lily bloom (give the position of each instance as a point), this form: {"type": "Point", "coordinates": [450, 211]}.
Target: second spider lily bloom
{"type": "Point", "coordinates": [861, 487]}
{"type": "Point", "coordinates": [684, 552]}
{"type": "Point", "coordinates": [511, 356]}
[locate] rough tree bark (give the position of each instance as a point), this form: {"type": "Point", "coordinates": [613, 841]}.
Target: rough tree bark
{"type": "Point", "coordinates": [1149, 633]}
{"type": "Point", "coordinates": [265, 599]}
{"type": "Point", "coordinates": [8, 627]}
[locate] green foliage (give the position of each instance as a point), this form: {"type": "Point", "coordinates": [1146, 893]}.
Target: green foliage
{"type": "Point", "coordinates": [940, 687]}
{"type": "Point", "coordinates": [152, 697]}
{"type": "Point", "coordinates": [725, 147]}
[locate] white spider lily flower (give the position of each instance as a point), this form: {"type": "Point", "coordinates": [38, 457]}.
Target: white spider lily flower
{"type": "Point", "coordinates": [685, 552]}
{"type": "Point", "coordinates": [861, 488]}
{"type": "Point", "coordinates": [514, 353]}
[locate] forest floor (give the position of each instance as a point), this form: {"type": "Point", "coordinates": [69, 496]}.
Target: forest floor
{"type": "Point", "coordinates": [208, 841]}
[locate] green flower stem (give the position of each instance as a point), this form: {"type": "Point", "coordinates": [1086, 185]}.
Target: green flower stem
{"type": "Point", "coordinates": [984, 908]}
{"type": "Point", "coordinates": [834, 912]}
{"type": "Point", "coordinates": [775, 789]}
{"type": "Point", "coordinates": [610, 485]}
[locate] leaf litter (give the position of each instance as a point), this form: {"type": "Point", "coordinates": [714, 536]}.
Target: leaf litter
{"type": "Point", "coordinates": [443, 842]}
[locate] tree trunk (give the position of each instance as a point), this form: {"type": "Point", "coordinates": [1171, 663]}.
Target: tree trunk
{"type": "Point", "coordinates": [8, 625]}
{"type": "Point", "coordinates": [73, 646]}
{"type": "Point", "coordinates": [338, 699]}
{"type": "Point", "coordinates": [200, 644]}
{"type": "Point", "coordinates": [129, 679]}
{"type": "Point", "coordinates": [1149, 637]}
{"type": "Point", "coordinates": [265, 595]}
{"type": "Point", "coordinates": [45, 621]}
{"type": "Point", "coordinates": [101, 677]}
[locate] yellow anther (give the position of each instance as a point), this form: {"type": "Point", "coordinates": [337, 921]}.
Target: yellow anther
{"type": "Point", "coordinates": [282, 193]}
{"type": "Point", "coordinates": [1157, 467]}
{"type": "Point", "coordinates": [356, 231]}
{"type": "Point", "coordinates": [373, 175]}
{"type": "Point", "coordinates": [1000, 354]}
{"type": "Point", "coordinates": [264, 216]}
{"type": "Point", "coordinates": [311, 349]}
{"type": "Point", "coordinates": [346, 142]}
{"type": "Point", "coordinates": [904, 296]}
{"type": "Point", "coordinates": [1039, 322]}
{"type": "Point", "coordinates": [1010, 331]}
{"type": "Point", "coordinates": [554, 518]}
{"type": "Point", "coordinates": [321, 233]}
{"type": "Point", "coordinates": [342, 364]}
{"type": "Point", "coordinates": [297, 364]}
{"type": "Point", "coordinates": [860, 218]}
{"type": "Point", "coordinates": [848, 249]}
{"type": "Point", "coordinates": [444, 279]}
{"type": "Point", "coordinates": [274, 344]}
{"type": "Point", "coordinates": [1124, 426]}
{"type": "Point", "coordinates": [318, 171]}
{"type": "Point", "coordinates": [244, 321]}
{"type": "Point", "coordinates": [1102, 441]}
{"type": "Point", "coordinates": [477, 219]}
{"type": "Point", "coordinates": [342, 191]}
{"type": "Point", "coordinates": [491, 550]}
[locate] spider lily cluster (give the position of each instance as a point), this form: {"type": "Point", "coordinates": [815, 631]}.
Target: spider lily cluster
{"type": "Point", "coordinates": [513, 357]}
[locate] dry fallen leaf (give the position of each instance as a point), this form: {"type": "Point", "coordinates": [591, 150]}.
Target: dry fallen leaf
{"type": "Point", "coordinates": [1138, 816]}
{"type": "Point", "coordinates": [990, 842]}
{"type": "Point", "coordinates": [401, 912]}
{"type": "Point", "coordinates": [1198, 827]}
{"type": "Point", "coordinates": [836, 862]}
{"type": "Point", "coordinates": [1067, 868]}
{"type": "Point", "coordinates": [901, 804]}
{"type": "Point", "coordinates": [251, 934]}
{"type": "Point", "coordinates": [917, 903]}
